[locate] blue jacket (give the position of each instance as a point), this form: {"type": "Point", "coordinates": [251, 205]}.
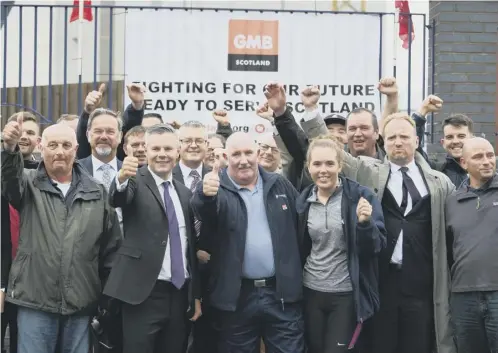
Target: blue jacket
{"type": "Point", "coordinates": [226, 216]}
{"type": "Point", "coordinates": [364, 242]}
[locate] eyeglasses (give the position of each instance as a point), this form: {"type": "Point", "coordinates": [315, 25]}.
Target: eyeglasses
{"type": "Point", "coordinates": [198, 141]}
{"type": "Point", "coordinates": [264, 147]}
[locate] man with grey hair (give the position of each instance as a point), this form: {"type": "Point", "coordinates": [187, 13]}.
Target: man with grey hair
{"type": "Point", "coordinates": [68, 238]}
{"type": "Point", "coordinates": [155, 277]}
{"type": "Point", "coordinates": [104, 134]}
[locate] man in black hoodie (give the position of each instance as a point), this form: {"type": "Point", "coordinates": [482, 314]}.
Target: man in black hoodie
{"type": "Point", "coordinates": [29, 140]}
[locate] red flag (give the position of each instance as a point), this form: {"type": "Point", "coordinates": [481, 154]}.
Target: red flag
{"type": "Point", "coordinates": [87, 11]}
{"type": "Point", "coordinates": [404, 22]}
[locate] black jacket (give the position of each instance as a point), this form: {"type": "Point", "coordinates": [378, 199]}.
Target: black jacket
{"type": "Point", "coordinates": [364, 242]}
{"type": "Point", "coordinates": [226, 215]}
{"type": "Point", "coordinates": [6, 234]}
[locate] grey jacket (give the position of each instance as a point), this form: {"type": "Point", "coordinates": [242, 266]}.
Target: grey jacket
{"type": "Point", "coordinates": [375, 176]}
{"type": "Point", "coordinates": [66, 245]}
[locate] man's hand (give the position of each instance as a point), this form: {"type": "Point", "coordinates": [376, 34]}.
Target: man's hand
{"type": "Point", "coordinates": [93, 99]}
{"type": "Point", "coordinates": [211, 182]}
{"type": "Point", "coordinates": [198, 310]}
{"type": "Point", "coordinates": [431, 104]}
{"type": "Point", "coordinates": [275, 95]}
{"type": "Point", "coordinates": [136, 92]}
{"type": "Point", "coordinates": [221, 117]}
{"type": "Point", "coordinates": [128, 169]}
{"type": "Point", "coordinates": [388, 86]}
{"type": "Point", "coordinates": [364, 210]}
{"type": "Point", "coordinates": [203, 256]}
{"type": "Point", "coordinates": [12, 133]}
{"type": "Point", "coordinates": [310, 97]}
{"type": "Point", "coordinates": [265, 112]}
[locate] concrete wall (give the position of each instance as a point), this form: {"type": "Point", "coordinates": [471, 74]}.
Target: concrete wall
{"type": "Point", "coordinates": [465, 55]}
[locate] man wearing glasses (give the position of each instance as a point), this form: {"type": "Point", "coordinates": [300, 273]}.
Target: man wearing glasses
{"type": "Point", "coordinates": [269, 157]}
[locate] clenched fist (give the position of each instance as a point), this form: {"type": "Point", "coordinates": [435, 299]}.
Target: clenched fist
{"type": "Point", "coordinates": [265, 112]}
{"type": "Point", "coordinates": [211, 182]}
{"type": "Point", "coordinates": [310, 97]}
{"type": "Point", "coordinates": [388, 86]}
{"type": "Point", "coordinates": [128, 169]}
{"type": "Point", "coordinates": [277, 100]}
{"type": "Point", "coordinates": [221, 116]}
{"type": "Point", "coordinates": [94, 98]}
{"type": "Point", "coordinates": [430, 105]}
{"type": "Point", "coordinates": [12, 133]}
{"type": "Point", "coordinates": [136, 92]}
{"type": "Point", "coordinates": [364, 210]}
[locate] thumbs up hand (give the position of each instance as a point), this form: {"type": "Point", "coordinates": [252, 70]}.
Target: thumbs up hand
{"type": "Point", "coordinates": [128, 169]}
{"type": "Point", "coordinates": [94, 98]}
{"type": "Point", "coordinates": [12, 133]}
{"type": "Point", "coordinates": [211, 182]}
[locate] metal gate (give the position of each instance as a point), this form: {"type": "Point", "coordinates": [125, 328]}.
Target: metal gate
{"type": "Point", "coordinates": [44, 72]}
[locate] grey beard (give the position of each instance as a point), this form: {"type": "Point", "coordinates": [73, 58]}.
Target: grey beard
{"type": "Point", "coordinates": [103, 152]}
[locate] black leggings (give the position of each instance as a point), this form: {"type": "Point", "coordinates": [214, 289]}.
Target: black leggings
{"type": "Point", "coordinates": [329, 320]}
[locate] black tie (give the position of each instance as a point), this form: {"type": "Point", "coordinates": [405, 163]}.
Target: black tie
{"type": "Point", "coordinates": [409, 188]}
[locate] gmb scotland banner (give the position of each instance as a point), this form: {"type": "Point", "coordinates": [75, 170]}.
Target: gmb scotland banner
{"type": "Point", "coordinates": [194, 62]}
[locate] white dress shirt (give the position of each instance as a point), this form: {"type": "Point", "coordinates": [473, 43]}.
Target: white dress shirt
{"type": "Point", "coordinates": [187, 178]}
{"type": "Point", "coordinates": [165, 273]}
{"type": "Point", "coordinates": [395, 186]}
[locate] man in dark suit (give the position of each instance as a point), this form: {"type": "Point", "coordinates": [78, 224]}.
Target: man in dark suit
{"type": "Point", "coordinates": [155, 276]}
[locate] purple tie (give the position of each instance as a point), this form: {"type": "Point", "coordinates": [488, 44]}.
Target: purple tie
{"type": "Point", "coordinates": [195, 175]}
{"type": "Point", "coordinates": [175, 245]}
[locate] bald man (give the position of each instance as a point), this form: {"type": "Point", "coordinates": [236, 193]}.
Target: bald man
{"type": "Point", "coordinates": [471, 214]}
{"type": "Point", "coordinates": [269, 156]}
{"type": "Point", "coordinates": [68, 238]}
{"type": "Point", "coordinates": [257, 272]}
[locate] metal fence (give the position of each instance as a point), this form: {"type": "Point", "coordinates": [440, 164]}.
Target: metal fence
{"type": "Point", "coordinates": [41, 73]}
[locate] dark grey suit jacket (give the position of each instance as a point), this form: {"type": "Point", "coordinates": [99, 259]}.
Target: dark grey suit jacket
{"type": "Point", "coordinates": [145, 224]}
{"type": "Point", "coordinates": [87, 163]}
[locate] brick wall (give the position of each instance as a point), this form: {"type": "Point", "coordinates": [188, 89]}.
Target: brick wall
{"type": "Point", "coordinates": [465, 56]}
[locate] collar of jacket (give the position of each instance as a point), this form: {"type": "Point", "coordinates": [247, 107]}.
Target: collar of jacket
{"type": "Point", "coordinates": [466, 192]}
{"type": "Point", "coordinates": [268, 180]}
{"type": "Point", "coordinates": [81, 179]}
{"type": "Point", "coordinates": [348, 190]}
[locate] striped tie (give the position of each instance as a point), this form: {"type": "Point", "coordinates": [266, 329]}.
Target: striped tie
{"type": "Point", "coordinates": [196, 178]}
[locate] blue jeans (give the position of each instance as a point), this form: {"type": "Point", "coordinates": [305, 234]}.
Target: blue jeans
{"type": "Point", "coordinates": [475, 316]}
{"type": "Point", "coordinates": [38, 332]}
{"type": "Point", "coordinates": [260, 314]}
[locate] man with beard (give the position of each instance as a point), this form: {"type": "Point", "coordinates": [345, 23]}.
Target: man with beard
{"type": "Point", "coordinates": [30, 138]}
{"type": "Point", "coordinates": [132, 116]}
{"type": "Point", "coordinates": [134, 144]}
{"type": "Point", "coordinates": [471, 227]}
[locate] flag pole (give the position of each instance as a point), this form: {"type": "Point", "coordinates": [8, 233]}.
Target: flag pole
{"type": "Point", "coordinates": [395, 41]}
{"type": "Point", "coordinates": [81, 5]}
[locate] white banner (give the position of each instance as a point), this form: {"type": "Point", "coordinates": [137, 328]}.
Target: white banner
{"type": "Point", "coordinates": [195, 62]}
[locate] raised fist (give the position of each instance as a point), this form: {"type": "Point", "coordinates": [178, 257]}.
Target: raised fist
{"type": "Point", "coordinates": [94, 98]}
{"type": "Point", "coordinates": [265, 112]}
{"type": "Point", "coordinates": [388, 86]}
{"type": "Point", "coordinates": [310, 97]}
{"type": "Point", "coordinates": [128, 169]}
{"type": "Point", "coordinates": [430, 104]}
{"type": "Point", "coordinates": [211, 182]}
{"type": "Point", "coordinates": [136, 92]}
{"type": "Point", "coordinates": [364, 210]}
{"type": "Point", "coordinates": [221, 116]}
{"type": "Point", "coordinates": [275, 95]}
{"type": "Point", "coordinates": [12, 133]}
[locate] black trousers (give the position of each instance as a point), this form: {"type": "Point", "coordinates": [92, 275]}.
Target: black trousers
{"type": "Point", "coordinates": [9, 318]}
{"type": "Point", "coordinates": [404, 323]}
{"type": "Point", "coordinates": [329, 321]}
{"type": "Point", "coordinates": [159, 324]}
